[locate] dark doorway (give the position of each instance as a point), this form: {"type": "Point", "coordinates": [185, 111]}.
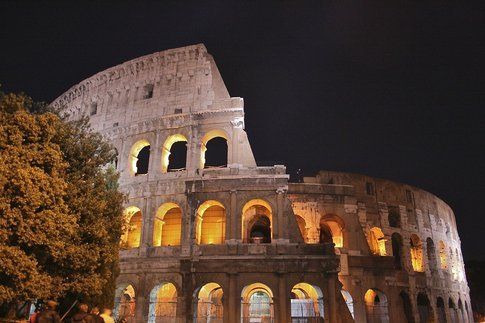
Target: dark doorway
{"type": "Point", "coordinates": [216, 153]}
{"type": "Point", "coordinates": [178, 156]}
{"type": "Point", "coordinates": [142, 161]}
{"type": "Point", "coordinates": [260, 229]}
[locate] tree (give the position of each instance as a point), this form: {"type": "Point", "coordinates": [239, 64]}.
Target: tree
{"type": "Point", "coordinates": [60, 210]}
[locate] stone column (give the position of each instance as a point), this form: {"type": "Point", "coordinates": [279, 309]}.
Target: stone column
{"type": "Point", "coordinates": [282, 300]}
{"type": "Point", "coordinates": [332, 302]}
{"type": "Point", "coordinates": [232, 309]}
{"type": "Point", "coordinates": [145, 240]}
{"type": "Point", "coordinates": [232, 224]}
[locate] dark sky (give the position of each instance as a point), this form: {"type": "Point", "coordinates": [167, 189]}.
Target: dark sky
{"type": "Point", "coordinates": [389, 90]}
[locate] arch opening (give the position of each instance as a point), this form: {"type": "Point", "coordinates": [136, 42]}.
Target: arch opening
{"type": "Point", "coordinates": [214, 149]}
{"type": "Point", "coordinates": [397, 246]}
{"type": "Point", "coordinates": [424, 308]}
{"type": "Point", "coordinates": [331, 230]}
{"type": "Point", "coordinates": [376, 307]}
{"type": "Point", "coordinates": [306, 302]}
{"type": "Point", "coordinates": [125, 303]}
{"type": "Point", "coordinates": [442, 252]}
{"type": "Point", "coordinates": [256, 222]}
{"type": "Point", "coordinates": [406, 306]}
{"type": "Point", "coordinates": [440, 309]}
{"type": "Point", "coordinates": [167, 226]}
{"type": "Point", "coordinates": [416, 253]}
{"type": "Point", "coordinates": [163, 304]}
{"type": "Point", "coordinates": [210, 223]}
{"type": "Point", "coordinates": [377, 242]}
{"type": "Point", "coordinates": [209, 304]}
{"type": "Point", "coordinates": [139, 158]}
{"type": "Point", "coordinates": [174, 153]}
{"type": "Point", "coordinates": [257, 304]}
{"type": "Point", "coordinates": [131, 236]}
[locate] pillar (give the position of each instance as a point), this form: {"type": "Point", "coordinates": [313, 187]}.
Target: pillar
{"type": "Point", "coordinates": [232, 310]}
{"type": "Point", "coordinates": [331, 315]}
{"type": "Point", "coordinates": [282, 300]}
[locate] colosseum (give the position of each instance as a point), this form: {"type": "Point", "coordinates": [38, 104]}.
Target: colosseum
{"type": "Point", "coordinates": [211, 240]}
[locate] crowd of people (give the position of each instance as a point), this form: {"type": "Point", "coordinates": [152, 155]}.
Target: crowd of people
{"type": "Point", "coordinates": [49, 314]}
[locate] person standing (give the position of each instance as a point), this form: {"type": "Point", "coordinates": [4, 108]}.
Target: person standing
{"type": "Point", "coordinates": [82, 315]}
{"type": "Point", "coordinates": [49, 314]}
{"type": "Point", "coordinates": [106, 315]}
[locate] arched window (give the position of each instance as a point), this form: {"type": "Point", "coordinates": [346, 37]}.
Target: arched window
{"type": "Point", "coordinates": [431, 253]}
{"type": "Point", "coordinates": [214, 153]}
{"type": "Point", "coordinates": [394, 217]}
{"type": "Point", "coordinates": [406, 306]}
{"type": "Point", "coordinates": [257, 303]}
{"type": "Point", "coordinates": [306, 302]}
{"type": "Point", "coordinates": [377, 242]}
{"type": "Point", "coordinates": [174, 153]}
{"type": "Point", "coordinates": [139, 157]}
{"type": "Point", "coordinates": [302, 226]}
{"type": "Point", "coordinates": [211, 223]}
{"type": "Point", "coordinates": [256, 222]}
{"type": "Point", "coordinates": [349, 301]}
{"type": "Point", "coordinates": [440, 309]}
{"type": "Point", "coordinates": [124, 304]}
{"type": "Point", "coordinates": [376, 307]}
{"type": "Point", "coordinates": [209, 303]}
{"type": "Point", "coordinates": [163, 303]}
{"type": "Point", "coordinates": [443, 260]}
{"type": "Point", "coordinates": [396, 240]}
{"type": "Point", "coordinates": [167, 227]}
{"type": "Point", "coordinates": [132, 234]}
{"type": "Point", "coordinates": [331, 230]}
{"type": "Point", "coordinates": [453, 311]}
{"type": "Point", "coordinates": [461, 312]}
{"type": "Point", "coordinates": [416, 253]}
{"type": "Point", "coordinates": [424, 308]}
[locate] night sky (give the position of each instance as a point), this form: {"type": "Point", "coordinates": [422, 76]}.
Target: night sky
{"type": "Point", "coordinates": [388, 90]}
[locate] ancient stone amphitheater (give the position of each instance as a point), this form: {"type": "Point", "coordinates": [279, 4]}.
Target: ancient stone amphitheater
{"type": "Point", "coordinates": [237, 242]}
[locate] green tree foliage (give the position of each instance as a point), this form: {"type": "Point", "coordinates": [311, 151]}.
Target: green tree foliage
{"type": "Point", "coordinates": [60, 210]}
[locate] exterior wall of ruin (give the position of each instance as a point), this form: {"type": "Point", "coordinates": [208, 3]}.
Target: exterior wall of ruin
{"type": "Point", "coordinates": [180, 92]}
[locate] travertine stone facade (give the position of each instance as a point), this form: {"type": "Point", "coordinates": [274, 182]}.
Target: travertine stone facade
{"type": "Point", "coordinates": [239, 243]}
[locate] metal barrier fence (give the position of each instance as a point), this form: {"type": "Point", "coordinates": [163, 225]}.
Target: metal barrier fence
{"type": "Point", "coordinates": [125, 310]}
{"type": "Point", "coordinates": [165, 312]}
{"type": "Point", "coordinates": [209, 312]}
{"type": "Point", "coordinates": [257, 312]}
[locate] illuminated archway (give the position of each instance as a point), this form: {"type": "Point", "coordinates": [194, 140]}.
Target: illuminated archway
{"type": "Point", "coordinates": [257, 303]}
{"type": "Point", "coordinates": [376, 306]}
{"type": "Point", "coordinates": [125, 302]}
{"type": "Point", "coordinates": [377, 242]}
{"type": "Point", "coordinates": [331, 230]}
{"type": "Point", "coordinates": [256, 222]}
{"type": "Point", "coordinates": [167, 226]}
{"type": "Point", "coordinates": [163, 303]}
{"type": "Point", "coordinates": [306, 302]}
{"type": "Point", "coordinates": [442, 252]}
{"type": "Point", "coordinates": [217, 133]}
{"type": "Point", "coordinates": [166, 149]}
{"type": "Point", "coordinates": [139, 157]}
{"type": "Point", "coordinates": [131, 236]}
{"type": "Point", "coordinates": [209, 304]}
{"type": "Point", "coordinates": [416, 253]}
{"type": "Point", "coordinates": [210, 223]}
